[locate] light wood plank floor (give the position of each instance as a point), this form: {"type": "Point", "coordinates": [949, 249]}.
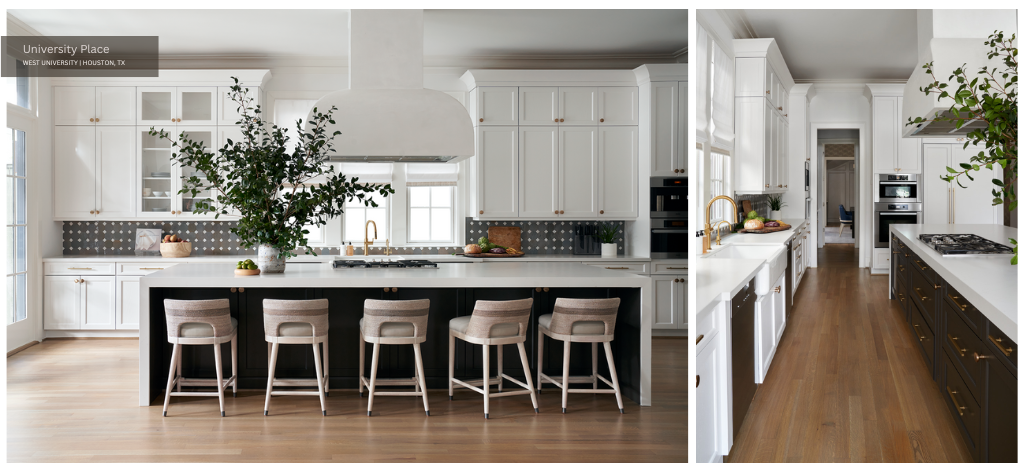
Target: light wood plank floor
{"type": "Point", "coordinates": [848, 383]}
{"type": "Point", "coordinates": [77, 401]}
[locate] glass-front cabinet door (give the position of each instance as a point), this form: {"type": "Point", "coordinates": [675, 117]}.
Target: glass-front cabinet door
{"type": "Point", "coordinates": [185, 203]}
{"type": "Point", "coordinates": [157, 189]}
{"type": "Point", "coordinates": [156, 106]}
{"type": "Point", "coordinates": [197, 105]}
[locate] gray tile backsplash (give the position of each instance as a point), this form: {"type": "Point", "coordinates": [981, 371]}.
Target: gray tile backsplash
{"type": "Point", "coordinates": [542, 237]}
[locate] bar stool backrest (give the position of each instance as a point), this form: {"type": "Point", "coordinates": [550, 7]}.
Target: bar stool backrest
{"type": "Point", "coordinates": [570, 310]}
{"type": "Point", "coordinates": [488, 313]}
{"type": "Point", "coordinates": [277, 312]}
{"type": "Point", "coordinates": [216, 313]}
{"type": "Point", "coordinates": [378, 312]}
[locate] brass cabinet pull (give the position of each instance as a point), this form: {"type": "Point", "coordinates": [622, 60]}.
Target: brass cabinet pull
{"type": "Point", "coordinates": [561, 120]}
{"type": "Point", "coordinates": [922, 297]}
{"type": "Point", "coordinates": [978, 357]}
{"type": "Point", "coordinates": [481, 120]}
{"type": "Point", "coordinates": [955, 302]}
{"type": "Point", "coordinates": [617, 268]}
{"type": "Point", "coordinates": [481, 212]}
{"type": "Point", "coordinates": [387, 289]}
{"type": "Point", "coordinates": [902, 298]}
{"type": "Point", "coordinates": [900, 266]}
{"type": "Point", "coordinates": [699, 338]}
{"type": "Point", "coordinates": [780, 108]}
{"type": "Point", "coordinates": [777, 289]}
{"type": "Point", "coordinates": [233, 289]}
{"type": "Point", "coordinates": [602, 212]}
{"type": "Point", "coordinates": [151, 268]}
{"type": "Point", "coordinates": [682, 281]}
{"type": "Point", "coordinates": [241, 289]}
{"type": "Point", "coordinates": [936, 286]}
{"type": "Point", "coordinates": [999, 344]}
{"type": "Point", "coordinates": [960, 350]}
{"type": "Point", "coordinates": [923, 267]}
{"type": "Point", "coordinates": [538, 289]}
{"type": "Point", "coordinates": [676, 268]}
{"type": "Point", "coordinates": [698, 380]}
{"type": "Point", "coordinates": [952, 396]}
{"type": "Point", "coordinates": [80, 268]}
{"type": "Point", "coordinates": [602, 120]}
{"type": "Point", "coordinates": [769, 92]}
{"type": "Point", "coordinates": [91, 120]}
{"type": "Point", "coordinates": [546, 289]}
{"type": "Point", "coordinates": [918, 333]}
{"type": "Point", "coordinates": [676, 281]}
{"type": "Point", "coordinates": [394, 289]}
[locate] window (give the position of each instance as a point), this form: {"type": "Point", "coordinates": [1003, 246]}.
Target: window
{"type": "Point", "coordinates": [430, 214]}
{"type": "Point", "coordinates": [357, 214]}
{"type": "Point", "coordinates": [718, 169]}
{"type": "Point", "coordinates": [17, 87]}
{"type": "Point", "coordinates": [17, 254]}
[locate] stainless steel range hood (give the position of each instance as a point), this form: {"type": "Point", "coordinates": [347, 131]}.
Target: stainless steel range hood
{"type": "Point", "coordinates": [386, 115]}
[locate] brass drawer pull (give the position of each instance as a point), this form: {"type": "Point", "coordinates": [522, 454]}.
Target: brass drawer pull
{"type": "Point", "coordinates": [80, 268]}
{"type": "Point", "coordinates": [936, 286]}
{"type": "Point", "coordinates": [617, 268]}
{"type": "Point", "coordinates": [151, 268]}
{"type": "Point", "coordinates": [699, 338]}
{"type": "Point", "coordinates": [922, 297]}
{"type": "Point", "coordinates": [955, 302]}
{"type": "Point", "coordinates": [923, 267]}
{"type": "Point", "coordinates": [1007, 351]}
{"type": "Point", "coordinates": [978, 357]}
{"type": "Point", "coordinates": [675, 268]}
{"type": "Point", "coordinates": [918, 333]}
{"type": "Point", "coordinates": [960, 350]}
{"type": "Point", "coordinates": [952, 396]}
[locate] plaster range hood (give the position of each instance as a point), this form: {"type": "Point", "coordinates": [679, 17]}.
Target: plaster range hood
{"type": "Point", "coordinates": [386, 115]}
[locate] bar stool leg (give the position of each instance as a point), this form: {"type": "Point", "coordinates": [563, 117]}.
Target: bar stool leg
{"type": "Point", "coordinates": [451, 365]}
{"type": "Point", "coordinates": [179, 367]}
{"type": "Point", "coordinates": [327, 372]}
{"type": "Point", "coordinates": [373, 377]}
{"type": "Point", "coordinates": [529, 381]}
{"type": "Point", "coordinates": [175, 353]}
{"type": "Point", "coordinates": [540, 359]}
{"type": "Point", "coordinates": [234, 365]}
{"type": "Point", "coordinates": [362, 363]}
{"type": "Point", "coordinates": [499, 348]}
{"type": "Point", "coordinates": [319, 377]}
{"type": "Point", "coordinates": [270, 377]}
{"type": "Point", "coordinates": [220, 376]}
{"type": "Point", "coordinates": [487, 381]}
{"type": "Point", "coordinates": [565, 377]}
{"type": "Point", "coordinates": [422, 380]}
{"type": "Point", "coordinates": [593, 361]}
{"type": "Point", "coordinates": [615, 377]}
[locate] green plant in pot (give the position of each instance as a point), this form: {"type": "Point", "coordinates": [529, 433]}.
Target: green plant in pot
{"type": "Point", "coordinates": [607, 234]}
{"type": "Point", "coordinates": [276, 191]}
{"type": "Point", "coordinates": [989, 98]}
{"type": "Point", "coordinates": [775, 204]}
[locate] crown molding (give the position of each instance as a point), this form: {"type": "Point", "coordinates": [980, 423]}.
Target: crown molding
{"type": "Point", "coordinates": [848, 81]}
{"type": "Point", "coordinates": [16, 27]}
{"type": "Point", "coordinates": [738, 24]}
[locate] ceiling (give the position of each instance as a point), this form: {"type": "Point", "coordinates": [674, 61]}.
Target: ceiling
{"type": "Point", "coordinates": [324, 33]}
{"type": "Point", "coordinates": [840, 45]}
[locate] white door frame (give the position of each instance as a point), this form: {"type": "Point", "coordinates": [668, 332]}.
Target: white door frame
{"type": "Point", "coordinates": [31, 328]}
{"type": "Point", "coordinates": [863, 197]}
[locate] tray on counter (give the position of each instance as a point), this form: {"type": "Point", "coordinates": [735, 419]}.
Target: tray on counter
{"type": "Point", "coordinates": [492, 255]}
{"type": "Point", "coordinates": [766, 230]}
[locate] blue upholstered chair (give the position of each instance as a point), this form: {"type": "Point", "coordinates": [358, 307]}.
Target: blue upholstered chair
{"type": "Point", "coordinates": [845, 218]}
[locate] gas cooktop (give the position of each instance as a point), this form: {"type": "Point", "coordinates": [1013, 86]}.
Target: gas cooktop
{"type": "Point", "coordinates": [396, 264]}
{"type": "Point", "coordinates": [964, 245]}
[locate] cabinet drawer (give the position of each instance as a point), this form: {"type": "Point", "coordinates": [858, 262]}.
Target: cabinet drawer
{"type": "Point", "coordinates": [966, 410]}
{"type": "Point", "coordinates": [142, 268]}
{"type": "Point", "coordinates": [921, 266]}
{"type": "Point", "coordinates": [78, 268]}
{"type": "Point", "coordinates": [902, 271]}
{"type": "Point", "coordinates": [923, 293]}
{"type": "Point", "coordinates": [630, 267]}
{"type": "Point", "coordinates": [965, 309]}
{"type": "Point", "coordinates": [902, 297]}
{"type": "Point", "coordinates": [962, 345]}
{"type": "Point", "coordinates": [1001, 346]}
{"type": "Point", "coordinates": [707, 328]}
{"type": "Point", "coordinates": [669, 267]}
{"type": "Point", "coordinates": [923, 334]}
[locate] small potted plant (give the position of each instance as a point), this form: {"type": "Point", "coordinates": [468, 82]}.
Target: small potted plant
{"type": "Point", "coordinates": [775, 204]}
{"type": "Point", "coordinates": [607, 234]}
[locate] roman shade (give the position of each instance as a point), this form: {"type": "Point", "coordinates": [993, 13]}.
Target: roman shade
{"type": "Point", "coordinates": [701, 121]}
{"type": "Point", "coordinates": [722, 100]}
{"type": "Point", "coordinates": [431, 175]}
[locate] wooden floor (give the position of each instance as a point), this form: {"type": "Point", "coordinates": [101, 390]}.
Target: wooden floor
{"type": "Point", "coordinates": [77, 401]}
{"type": "Point", "coordinates": [847, 382]}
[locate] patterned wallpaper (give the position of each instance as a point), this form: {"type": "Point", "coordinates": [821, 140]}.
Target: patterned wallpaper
{"type": "Point", "coordinates": [839, 150]}
{"type": "Point", "coordinates": [543, 237]}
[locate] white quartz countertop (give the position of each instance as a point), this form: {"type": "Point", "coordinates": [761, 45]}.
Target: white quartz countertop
{"type": "Point", "coordinates": [306, 259]}
{"type": "Point", "coordinates": [511, 274]}
{"type": "Point", "coordinates": [779, 237]}
{"type": "Point", "coordinates": [988, 282]}
{"type": "Point", "coordinates": [721, 279]}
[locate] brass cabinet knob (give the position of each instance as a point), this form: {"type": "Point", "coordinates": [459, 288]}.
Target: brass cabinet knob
{"type": "Point", "coordinates": [481, 212]}
{"type": "Point", "coordinates": [769, 92]}
{"type": "Point", "coordinates": [602, 120]}
{"type": "Point", "coordinates": [676, 280]}
{"type": "Point", "coordinates": [602, 212]}
{"type": "Point", "coordinates": [97, 120]}
{"type": "Point", "coordinates": [91, 212]}
{"type": "Point", "coordinates": [394, 289]}
{"type": "Point", "coordinates": [681, 171]}
{"type": "Point", "coordinates": [546, 289]}
{"type": "Point", "coordinates": [233, 289]}
{"type": "Point", "coordinates": [777, 289]}
{"type": "Point", "coordinates": [978, 357]}
{"type": "Point", "coordinates": [481, 120]}
{"type": "Point", "coordinates": [91, 120]}
{"type": "Point", "coordinates": [683, 281]}
{"type": "Point", "coordinates": [787, 114]}
{"type": "Point", "coordinates": [780, 108]}
{"type": "Point", "coordinates": [562, 212]}
{"type": "Point", "coordinates": [556, 120]}
{"type": "Point", "coordinates": [556, 212]}
{"type": "Point", "coordinates": [766, 185]}
{"type": "Point", "coordinates": [538, 289]}
{"type": "Point", "coordinates": [241, 289]}
{"type": "Point", "coordinates": [787, 186]}
{"type": "Point", "coordinates": [386, 289]}
{"type": "Point", "coordinates": [561, 120]}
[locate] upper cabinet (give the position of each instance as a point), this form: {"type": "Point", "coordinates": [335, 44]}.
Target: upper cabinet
{"type": "Point", "coordinates": [495, 169]}
{"type": "Point", "coordinates": [177, 105]}
{"type": "Point", "coordinates": [762, 118]}
{"type": "Point", "coordinates": [93, 172]}
{"type": "Point", "coordinates": [667, 158]}
{"type": "Point", "coordinates": [494, 106]}
{"type": "Point", "coordinates": [113, 106]}
{"type": "Point", "coordinates": [890, 152]}
{"type": "Point", "coordinates": [578, 106]}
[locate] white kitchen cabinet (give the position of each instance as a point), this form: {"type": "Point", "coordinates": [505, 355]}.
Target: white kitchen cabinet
{"type": "Point", "coordinates": [762, 150]}
{"type": "Point", "coordinates": [880, 259]}
{"type": "Point", "coordinates": [496, 172]}
{"type": "Point", "coordinates": [93, 174]}
{"type": "Point", "coordinates": [770, 323]}
{"type": "Point", "coordinates": [711, 398]}
{"type": "Point", "coordinates": [578, 172]}
{"type": "Point", "coordinates": [78, 302]}
{"type": "Point", "coordinates": [779, 308]}
{"type": "Point", "coordinates": [538, 106]}
{"type": "Point", "coordinates": [908, 152]}
{"type": "Point", "coordinates": [163, 177]}
{"type": "Point", "coordinates": [127, 312]}
{"type": "Point", "coordinates": [539, 171]}
{"type": "Point", "coordinates": [666, 159]}
{"type": "Point", "coordinates": [683, 152]}
{"type": "Point", "coordinates": [619, 161]}
{"type": "Point", "coordinates": [948, 203]}
{"type": "Point", "coordinates": [669, 301]}
{"type": "Point", "coordinates": [177, 105]}
{"type": "Point", "coordinates": [494, 106]}
{"type": "Point", "coordinates": [577, 106]}
{"type": "Point", "coordinates": [90, 106]}
{"type": "Point", "coordinates": [891, 153]}
{"type": "Point", "coordinates": [619, 106]}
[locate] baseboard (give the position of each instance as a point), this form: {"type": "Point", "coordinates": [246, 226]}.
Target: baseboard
{"type": "Point", "coordinates": [22, 348]}
{"type": "Point", "coordinates": [99, 334]}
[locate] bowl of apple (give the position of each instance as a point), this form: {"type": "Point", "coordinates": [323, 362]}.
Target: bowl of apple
{"type": "Point", "coordinates": [173, 246]}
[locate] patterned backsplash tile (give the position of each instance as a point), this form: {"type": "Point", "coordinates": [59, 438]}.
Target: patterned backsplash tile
{"type": "Point", "coordinates": [543, 237]}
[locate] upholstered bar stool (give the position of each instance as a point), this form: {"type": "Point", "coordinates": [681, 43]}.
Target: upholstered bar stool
{"type": "Point", "coordinates": [296, 322]}
{"type": "Point", "coordinates": [493, 323]}
{"type": "Point", "coordinates": [200, 322]}
{"type": "Point", "coordinates": [393, 322]}
{"type": "Point", "coordinates": [582, 321]}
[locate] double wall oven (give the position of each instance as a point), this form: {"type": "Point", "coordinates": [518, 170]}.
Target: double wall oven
{"type": "Point", "coordinates": [669, 228]}
{"type": "Point", "coordinates": [897, 202]}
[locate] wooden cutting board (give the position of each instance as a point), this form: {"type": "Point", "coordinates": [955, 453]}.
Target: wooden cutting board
{"type": "Point", "coordinates": [507, 236]}
{"type": "Point", "coordinates": [745, 205]}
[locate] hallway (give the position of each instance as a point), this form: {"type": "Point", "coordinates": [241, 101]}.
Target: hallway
{"type": "Point", "coordinates": [847, 383]}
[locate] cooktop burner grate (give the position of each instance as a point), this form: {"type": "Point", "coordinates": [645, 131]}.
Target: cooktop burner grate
{"type": "Point", "coordinates": [963, 245]}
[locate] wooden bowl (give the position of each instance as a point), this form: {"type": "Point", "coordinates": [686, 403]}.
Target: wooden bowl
{"type": "Point", "coordinates": [176, 249]}
{"type": "Point", "coordinates": [246, 272]}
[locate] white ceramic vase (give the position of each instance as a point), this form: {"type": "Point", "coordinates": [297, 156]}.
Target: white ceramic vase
{"type": "Point", "coordinates": [609, 250]}
{"type": "Point", "coordinates": [775, 214]}
{"type": "Point", "coordinates": [269, 259]}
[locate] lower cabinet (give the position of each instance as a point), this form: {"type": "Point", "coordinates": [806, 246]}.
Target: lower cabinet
{"type": "Point", "coordinates": [711, 397]}
{"type": "Point", "coordinates": [127, 313]}
{"type": "Point", "coordinates": [669, 301]}
{"type": "Point", "coordinates": [770, 323]}
{"type": "Point", "coordinates": [79, 302]}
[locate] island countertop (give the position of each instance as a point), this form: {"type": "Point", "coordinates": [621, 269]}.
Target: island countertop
{"type": "Point", "coordinates": [988, 282]}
